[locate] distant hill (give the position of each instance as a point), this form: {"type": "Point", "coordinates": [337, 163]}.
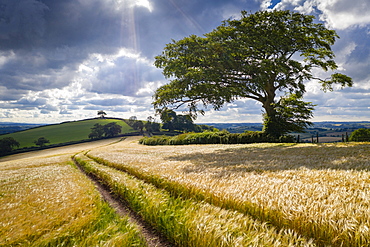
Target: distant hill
{"type": "Point", "coordinates": [236, 127]}
{"type": "Point", "coordinates": [64, 132]}
{"type": "Point", "coordinates": [8, 127]}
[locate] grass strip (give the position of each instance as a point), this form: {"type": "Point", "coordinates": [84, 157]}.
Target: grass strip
{"type": "Point", "coordinates": [186, 222]}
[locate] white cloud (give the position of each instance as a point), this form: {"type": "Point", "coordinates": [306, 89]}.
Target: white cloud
{"type": "Point", "coordinates": [341, 14]}
{"type": "Point", "coordinates": [337, 14]}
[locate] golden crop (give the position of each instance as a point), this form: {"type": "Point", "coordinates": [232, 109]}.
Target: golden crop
{"type": "Point", "coordinates": [278, 191]}
{"type": "Point", "coordinates": [45, 201]}
{"type": "Point", "coordinates": [187, 222]}
{"type": "Point", "coordinates": [322, 191]}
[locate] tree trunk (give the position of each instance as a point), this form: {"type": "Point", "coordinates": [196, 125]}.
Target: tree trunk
{"type": "Point", "coordinates": [271, 124]}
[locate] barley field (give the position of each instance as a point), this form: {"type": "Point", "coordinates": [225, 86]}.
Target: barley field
{"type": "Point", "coordinates": [187, 222]}
{"type": "Point", "coordinates": [195, 195]}
{"type": "Point", "coordinates": [321, 191]}
{"type": "Point", "coordinates": [47, 201]}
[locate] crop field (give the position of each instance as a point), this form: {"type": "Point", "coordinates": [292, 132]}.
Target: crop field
{"type": "Point", "coordinates": [47, 201]}
{"type": "Point", "coordinates": [320, 191]}
{"type": "Point", "coordinates": [195, 195]}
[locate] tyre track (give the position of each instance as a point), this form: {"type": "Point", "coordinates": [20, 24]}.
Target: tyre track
{"type": "Point", "coordinates": [153, 237]}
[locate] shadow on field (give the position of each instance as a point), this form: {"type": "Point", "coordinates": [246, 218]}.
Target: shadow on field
{"type": "Point", "coordinates": [277, 158]}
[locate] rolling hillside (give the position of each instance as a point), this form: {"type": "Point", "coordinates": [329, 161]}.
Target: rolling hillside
{"type": "Point", "coordinates": [63, 132]}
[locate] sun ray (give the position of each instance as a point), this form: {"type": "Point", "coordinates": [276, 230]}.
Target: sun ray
{"type": "Point", "coordinates": [187, 17]}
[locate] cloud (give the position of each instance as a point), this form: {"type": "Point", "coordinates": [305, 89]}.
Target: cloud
{"type": "Point", "coordinates": [337, 14]}
{"type": "Point", "coordinates": [22, 23]}
{"type": "Point", "coordinates": [64, 60]}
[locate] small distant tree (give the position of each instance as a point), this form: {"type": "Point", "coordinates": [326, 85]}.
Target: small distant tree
{"type": "Point", "coordinates": [112, 129]}
{"type": "Point", "coordinates": [168, 117]}
{"type": "Point", "coordinates": [102, 113]}
{"type": "Point", "coordinates": [132, 120]}
{"type": "Point", "coordinates": [108, 130]}
{"type": "Point", "coordinates": [138, 125]}
{"type": "Point", "coordinates": [152, 125]}
{"type": "Point", "coordinates": [42, 141]}
{"type": "Point", "coordinates": [156, 127]}
{"type": "Point", "coordinates": [149, 124]}
{"type": "Point", "coordinates": [7, 145]}
{"type": "Point", "coordinates": [172, 121]}
{"type": "Point", "coordinates": [148, 127]}
{"type": "Point", "coordinates": [97, 131]}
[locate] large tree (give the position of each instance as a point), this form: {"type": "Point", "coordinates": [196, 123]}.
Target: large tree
{"type": "Point", "coordinates": [267, 56]}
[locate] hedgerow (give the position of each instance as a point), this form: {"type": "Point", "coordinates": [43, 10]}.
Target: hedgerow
{"type": "Point", "coordinates": [220, 137]}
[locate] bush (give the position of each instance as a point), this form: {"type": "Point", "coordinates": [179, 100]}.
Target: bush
{"type": "Point", "coordinates": [155, 140]}
{"type": "Point", "coordinates": [220, 137]}
{"type": "Point", "coordinates": [360, 135]}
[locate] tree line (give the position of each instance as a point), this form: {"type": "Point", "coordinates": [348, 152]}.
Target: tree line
{"type": "Point", "coordinates": [9, 144]}
{"type": "Point", "coordinates": [108, 130]}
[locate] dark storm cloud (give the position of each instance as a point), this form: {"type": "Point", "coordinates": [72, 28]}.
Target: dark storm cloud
{"type": "Point", "coordinates": [22, 23]}
{"type": "Point", "coordinates": [50, 38]}
{"type": "Point", "coordinates": [57, 23]}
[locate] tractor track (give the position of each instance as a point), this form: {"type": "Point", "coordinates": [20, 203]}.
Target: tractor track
{"type": "Point", "coordinates": [152, 236]}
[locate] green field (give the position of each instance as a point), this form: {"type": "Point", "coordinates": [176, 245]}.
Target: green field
{"type": "Point", "coordinates": [64, 132]}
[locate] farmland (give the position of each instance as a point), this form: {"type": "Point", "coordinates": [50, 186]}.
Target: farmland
{"type": "Point", "coordinates": [46, 201]}
{"type": "Point", "coordinates": [197, 195]}
{"type": "Point", "coordinates": [63, 132]}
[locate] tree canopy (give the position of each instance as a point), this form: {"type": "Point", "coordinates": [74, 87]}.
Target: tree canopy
{"type": "Point", "coordinates": [102, 113]}
{"type": "Point", "coordinates": [107, 130]}
{"type": "Point", "coordinates": [7, 145]}
{"type": "Point", "coordinates": [172, 121]}
{"type": "Point", "coordinates": [267, 56]}
{"type": "Point", "coordinates": [360, 135]}
{"type": "Point", "coordinates": [42, 141]}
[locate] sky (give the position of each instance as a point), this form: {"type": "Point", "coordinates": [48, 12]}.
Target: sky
{"type": "Point", "coordinates": [66, 60]}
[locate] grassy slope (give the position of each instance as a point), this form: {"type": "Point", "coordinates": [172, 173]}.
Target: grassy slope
{"type": "Point", "coordinates": [64, 132]}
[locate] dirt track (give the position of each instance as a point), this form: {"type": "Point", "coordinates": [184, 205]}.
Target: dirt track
{"type": "Point", "coordinates": [71, 149]}
{"type": "Point", "coordinates": [153, 238]}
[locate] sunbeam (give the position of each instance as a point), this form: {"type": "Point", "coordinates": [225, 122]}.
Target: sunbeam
{"type": "Point", "coordinates": [187, 17]}
{"type": "Point", "coordinates": [129, 37]}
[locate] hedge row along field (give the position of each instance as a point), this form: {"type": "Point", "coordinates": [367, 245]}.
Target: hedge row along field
{"type": "Point", "coordinates": [49, 202]}
{"type": "Point", "coordinates": [187, 222]}
{"type": "Point", "coordinates": [320, 191]}
{"type": "Point", "coordinates": [219, 137]}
